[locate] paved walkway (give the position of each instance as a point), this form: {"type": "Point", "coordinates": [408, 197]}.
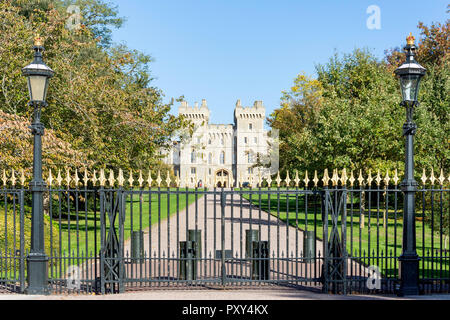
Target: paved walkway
{"type": "Point", "coordinates": [286, 261]}
{"type": "Point", "coordinates": [249, 294]}
{"type": "Point", "coordinates": [240, 215]}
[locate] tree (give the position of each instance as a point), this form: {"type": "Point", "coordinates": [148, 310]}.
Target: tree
{"type": "Point", "coordinates": [344, 118]}
{"type": "Point", "coordinates": [101, 100]}
{"type": "Point", "coordinates": [16, 147]}
{"type": "Point", "coordinates": [97, 15]}
{"type": "Point", "coordinates": [433, 115]}
{"type": "Point", "coordinates": [350, 115]}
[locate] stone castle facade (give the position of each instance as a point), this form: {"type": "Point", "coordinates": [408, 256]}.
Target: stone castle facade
{"type": "Point", "coordinates": [220, 154]}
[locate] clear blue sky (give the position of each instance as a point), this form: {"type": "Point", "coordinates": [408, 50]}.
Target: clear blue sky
{"type": "Point", "coordinates": [222, 51]}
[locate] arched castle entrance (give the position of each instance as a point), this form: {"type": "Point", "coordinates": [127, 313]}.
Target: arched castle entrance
{"type": "Point", "coordinates": [222, 175]}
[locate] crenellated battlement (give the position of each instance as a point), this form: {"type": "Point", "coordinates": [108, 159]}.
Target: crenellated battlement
{"type": "Point", "coordinates": [257, 111]}
{"type": "Point", "coordinates": [195, 112]}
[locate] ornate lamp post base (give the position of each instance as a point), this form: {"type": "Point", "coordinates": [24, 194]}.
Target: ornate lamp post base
{"type": "Point", "coordinates": [37, 274]}
{"type": "Point", "coordinates": [409, 275]}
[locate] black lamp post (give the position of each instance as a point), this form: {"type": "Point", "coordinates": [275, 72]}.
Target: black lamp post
{"type": "Point", "coordinates": [410, 74]}
{"type": "Point", "coordinates": [38, 75]}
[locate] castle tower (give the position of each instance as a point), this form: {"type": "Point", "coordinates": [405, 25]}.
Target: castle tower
{"type": "Point", "coordinates": [220, 152]}
{"type": "Point", "coordinates": [198, 115]}
{"type": "Point", "coordinates": [250, 137]}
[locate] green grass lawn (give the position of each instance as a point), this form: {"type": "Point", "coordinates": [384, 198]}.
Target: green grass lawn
{"type": "Point", "coordinates": [374, 237]}
{"type": "Point", "coordinates": [82, 236]}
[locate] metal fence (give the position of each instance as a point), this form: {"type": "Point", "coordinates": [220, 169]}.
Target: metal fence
{"type": "Point", "coordinates": [334, 234]}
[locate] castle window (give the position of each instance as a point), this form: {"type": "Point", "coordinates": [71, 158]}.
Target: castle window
{"type": "Point", "coordinates": [256, 140]}
{"type": "Point", "coordinates": [210, 158]}
{"type": "Point", "coordinates": [222, 157]}
{"type": "Point", "coordinates": [193, 170]}
{"type": "Point", "coordinates": [250, 170]}
{"type": "Point", "coordinates": [193, 157]}
{"type": "Point", "coordinates": [209, 141]}
{"type": "Point", "coordinates": [250, 126]}
{"type": "Point", "coordinates": [222, 141]}
{"type": "Point", "coordinates": [250, 157]}
{"type": "Point", "coordinates": [245, 140]}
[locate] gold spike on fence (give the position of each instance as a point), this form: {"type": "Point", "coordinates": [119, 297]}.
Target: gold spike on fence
{"type": "Point", "coordinates": [335, 178]}
{"type": "Point", "coordinates": [22, 178]}
{"type": "Point", "coordinates": [168, 179]}
{"type": "Point", "coordinates": [297, 179]}
{"type": "Point", "coordinates": [76, 179]}
{"type": "Point", "coordinates": [68, 178]}
{"type": "Point", "coordinates": [326, 178]}
{"type": "Point", "coordinates": [158, 179]}
{"type": "Point", "coordinates": [120, 178]}
{"type": "Point", "coordinates": [287, 180]}
{"type": "Point", "coordinates": [111, 179]}
{"type": "Point", "coordinates": [315, 180]}
{"type": "Point", "coordinates": [269, 180]}
{"type": "Point", "coordinates": [50, 178]}
{"type": "Point", "coordinates": [59, 178]}
{"type": "Point", "coordinates": [278, 179]}
{"type": "Point", "coordinates": [306, 180]}
{"type": "Point", "coordinates": [140, 179]}
{"type": "Point", "coordinates": [369, 178]}
{"type": "Point", "coordinates": [386, 179]}
{"type": "Point", "coordinates": [344, 177]}
{"type": "Point", "coordinates": [94, 178]}
{"type": "Point", "coordinates": [396, 178]}
{"type": "Point", "coordinates": [441, 178]}
{"type": "Point", "coordinates": [86, 178]}
{"type": "Point", "coordinates": [424, 177]}
{"type": "Point", "coordinates": [149, 179]}
{"type": "Point", "coordinates": [13, 178]}
{"type": "Point", "coordinates": [351, 179]}
{"type": "Point", "coordinates": [432, 177]}
{"type": "Point", "coordinates": [378, 178]}
{"type": "Point", "coordinates": [102, 178]}
{"type": "Point", "coordinates": [361, 179]}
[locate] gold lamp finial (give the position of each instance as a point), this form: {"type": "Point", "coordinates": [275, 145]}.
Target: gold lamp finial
{"type": "Point", "coordinates": [410, 39]}
{"type": "Point", "coordinates": [37, 40]}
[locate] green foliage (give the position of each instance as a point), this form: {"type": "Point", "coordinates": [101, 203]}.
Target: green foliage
{"type": "Point", "coordinates": [10, 236]}
{"type": "Point", "coordinates": [96, 15]}
{"type": "Point", "coordinates": [349, 121]}
{"type": "Point", "coordinates": [101, 99]}
{"type": "Point", "coordinates": [350, 115]}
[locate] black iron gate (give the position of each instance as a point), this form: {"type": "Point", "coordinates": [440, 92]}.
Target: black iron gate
{"type": "Point", "coordinates": [12, 241]}
{"type": "Point", "coordinates": [338, 239]}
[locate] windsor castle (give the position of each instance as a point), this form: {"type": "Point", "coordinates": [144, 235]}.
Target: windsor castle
{"type": "Point", "coordinates": [220, 154]}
